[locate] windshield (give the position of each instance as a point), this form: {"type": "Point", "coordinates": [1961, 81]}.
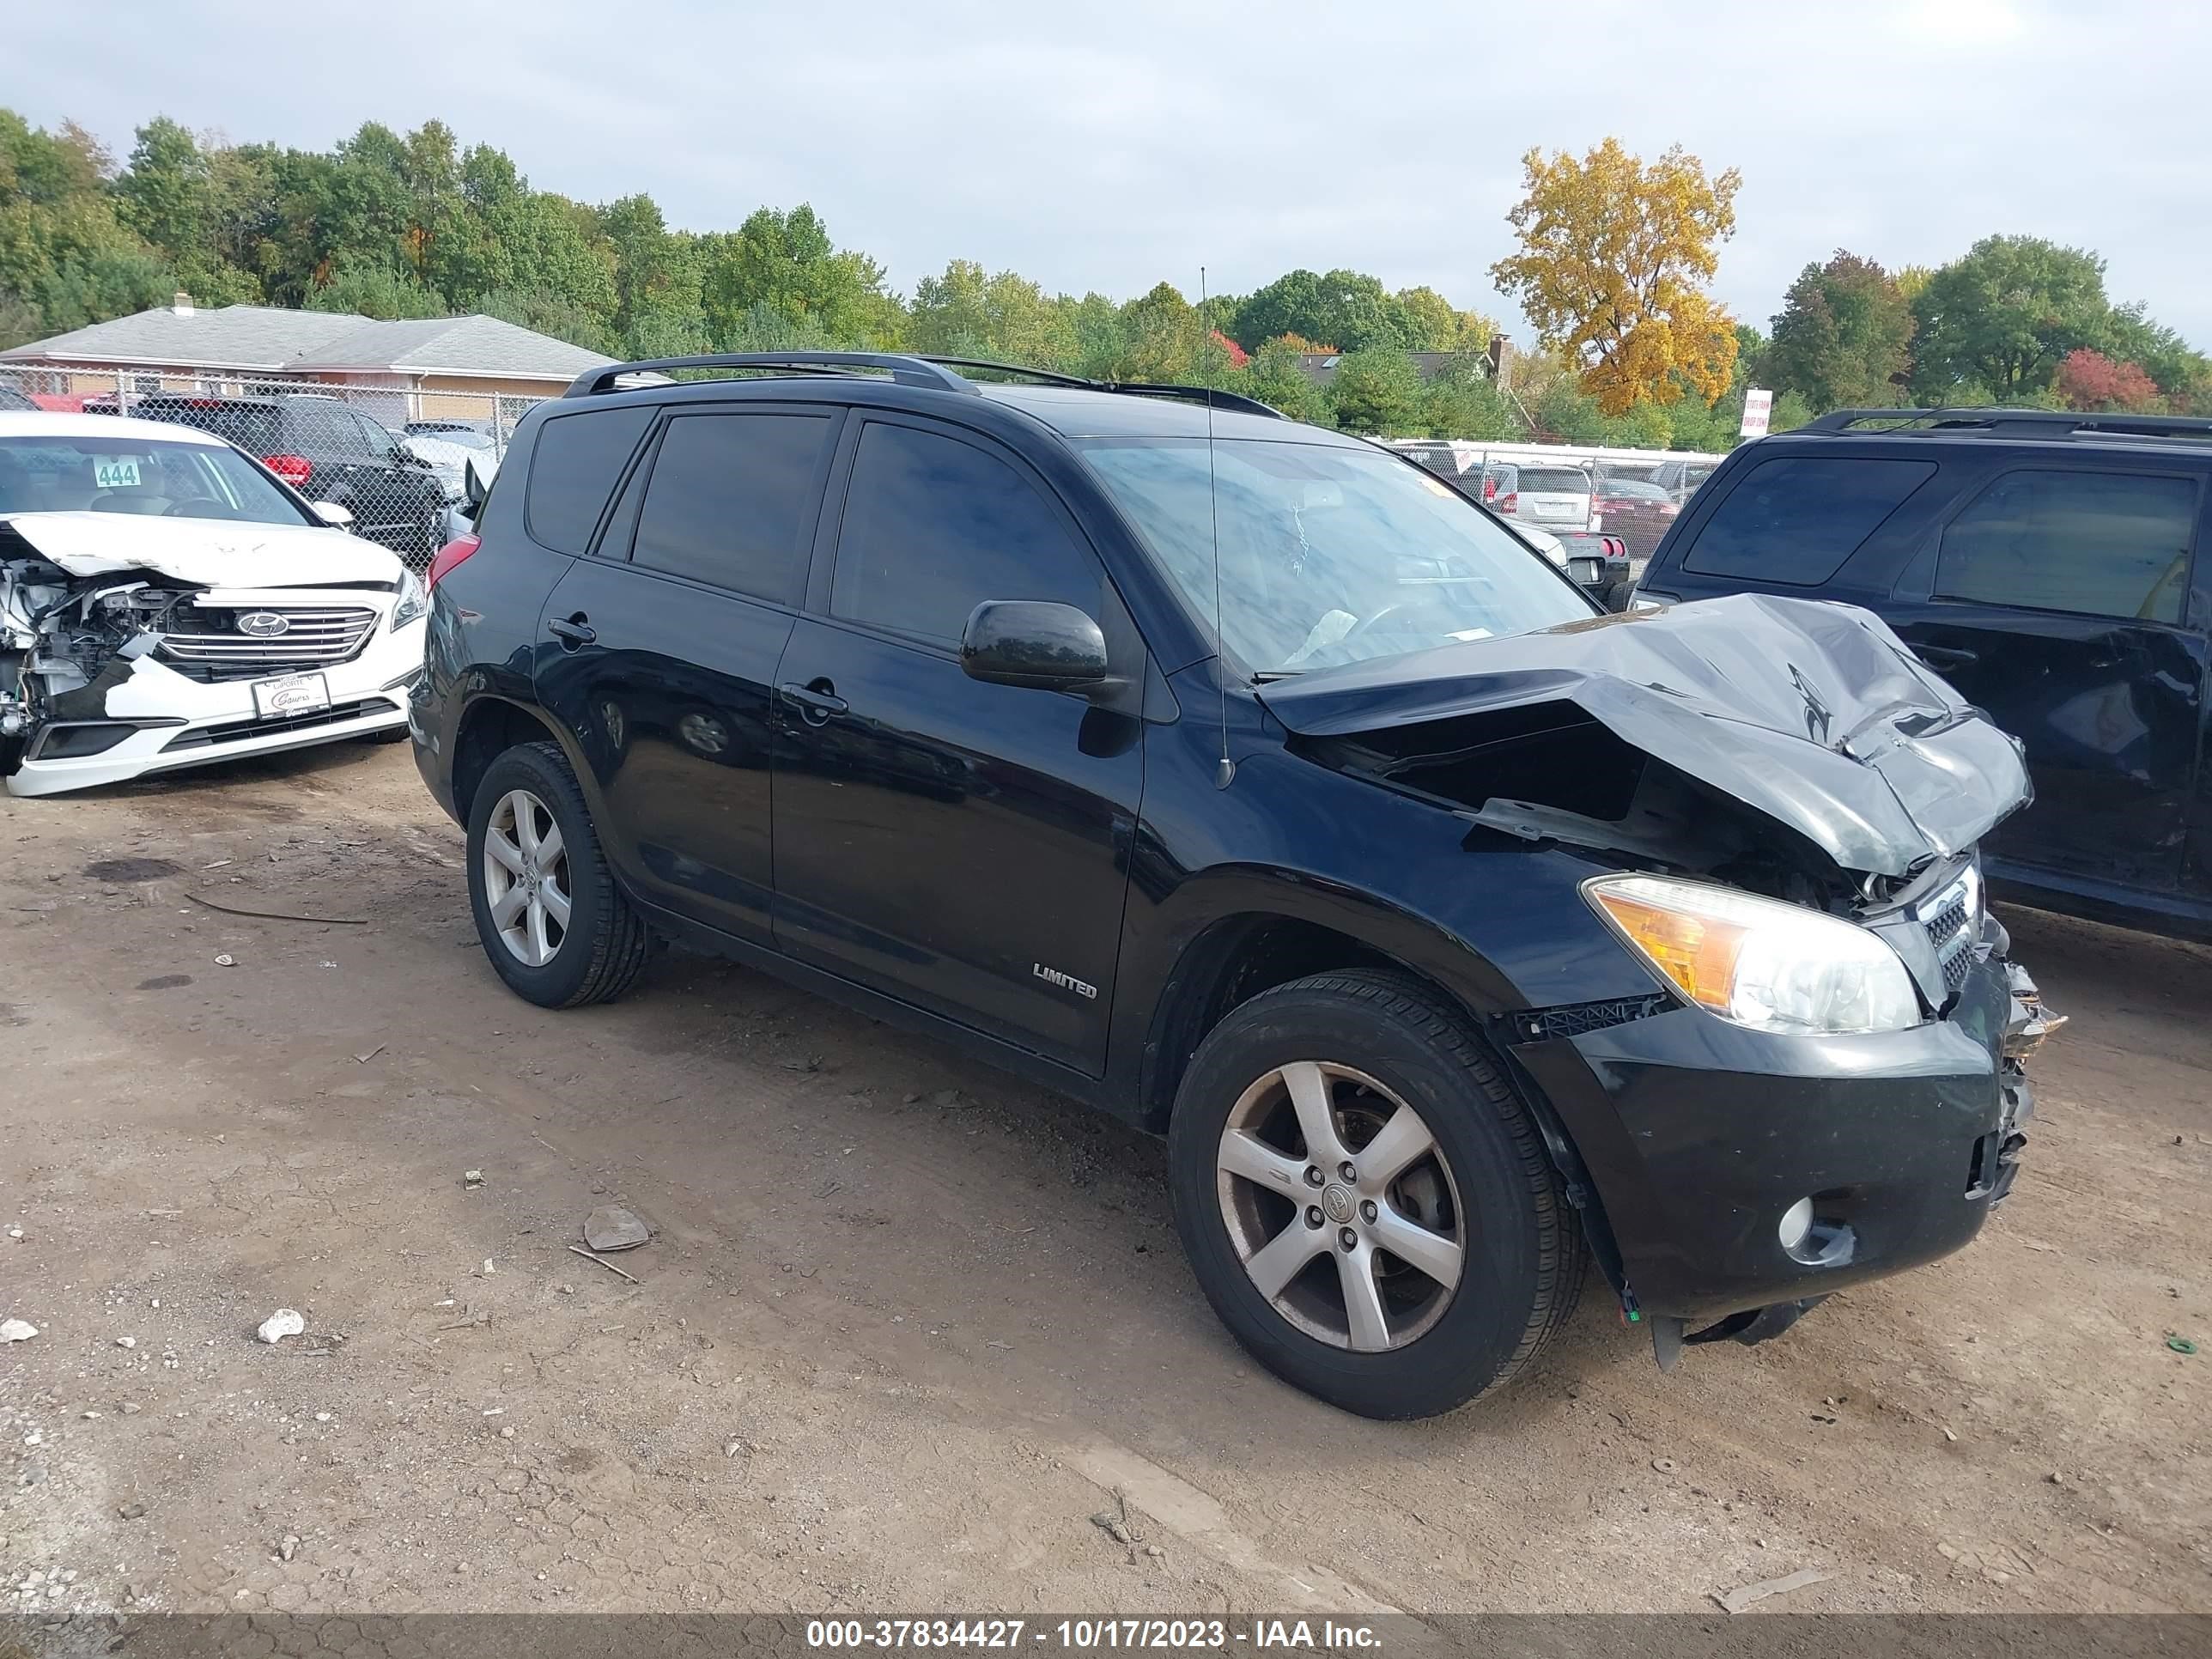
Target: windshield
{"type": "Point", "coordinates": [78, 474]}
{"type": "Point", "coordinates": [1328, 555]}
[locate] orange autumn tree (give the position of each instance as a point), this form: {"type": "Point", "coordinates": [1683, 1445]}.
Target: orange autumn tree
{"type": "Point", "coordinates": [1614, 257]}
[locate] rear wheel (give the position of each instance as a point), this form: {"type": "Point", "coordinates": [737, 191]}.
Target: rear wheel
{"type": "Point", "coordinates": [1365, 1200]}
{"type": "Point", "coordinates": [548, 912]}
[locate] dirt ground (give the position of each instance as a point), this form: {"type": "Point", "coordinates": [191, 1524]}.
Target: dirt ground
{"type": "Point", "coordinates": [906, 1325]}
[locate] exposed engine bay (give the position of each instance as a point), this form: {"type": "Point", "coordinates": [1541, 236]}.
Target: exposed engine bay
{"type": "Point", "coordinates": [66, 640]}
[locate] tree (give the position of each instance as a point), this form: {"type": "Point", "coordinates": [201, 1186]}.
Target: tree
{"type": "Point", "coordinates": [548, 313]}
{"type": "Point", "coordinates": [1465, 403]}
{"type": "Point", "coordinates": [1378, 392]}
{"type": "Point", "coordinates": [786, 263]}
{"type": "Point", "coordinates": [1275, 376]}
{"type": "Point", "coordinates": [2003, 316]}
{"type": "Point", "coordinates": [1164, 340]}
{"type": "Point", "coordinates": [1843, 336]}
{"type": "Point", "coordinates": [373, 291]}
{"type": "Point", "coordinates": [64, 254]}
{"type": "Point", "coordinates": [1435, 325]}
{"type": "Point", "coordinates": [1348, 307]}
{"type": "Point", "coordinates": [2089, 380]}
{"type": "Point", "coordinates": [657, 312]}
{"type": "Point", "coordinates": [1613, 258]}
{"type": "Point", "coordinates": [1006, 318]}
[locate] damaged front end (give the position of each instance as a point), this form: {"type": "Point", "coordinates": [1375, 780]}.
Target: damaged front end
{"type": "Point", "coordinates": [65, 643]}
{"type": "Point", "coordinates": [1751, 1154]}
{"type": "Point", "coordinates": [132, 644]}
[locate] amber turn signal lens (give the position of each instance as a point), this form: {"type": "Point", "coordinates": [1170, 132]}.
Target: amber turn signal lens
{"type": "Point", "coordinates": [1699, 953]}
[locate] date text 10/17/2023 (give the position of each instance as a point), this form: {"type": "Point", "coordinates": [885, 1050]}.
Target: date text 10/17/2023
{"type": "Point", "coordinates": [1097, 1635]}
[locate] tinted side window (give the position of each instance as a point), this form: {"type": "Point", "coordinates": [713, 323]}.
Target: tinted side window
{"type": "Point", "coordinates": [573, 469]}
{"type": "Point", "coordinates": [729, 500]}
{"type": "Point", "coordinates": [1797, 520]}
{"type": "Point", "coordinates": [934, 526]}
{"type": "Point", "coordinates": [2099, 543]}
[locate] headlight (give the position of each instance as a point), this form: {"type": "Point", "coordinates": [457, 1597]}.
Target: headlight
{"type": "Point", "coordinates": [1759, 963]}
{"type": "Point", "coordinates": [413, 601]}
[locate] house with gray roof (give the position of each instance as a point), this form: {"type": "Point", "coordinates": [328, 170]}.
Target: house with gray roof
{"type": "Point", "coordinates": [405, 369]}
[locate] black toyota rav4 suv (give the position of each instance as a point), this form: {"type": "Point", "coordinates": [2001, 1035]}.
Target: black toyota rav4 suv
{"type": "Point", "coordinates": [1244, 778]}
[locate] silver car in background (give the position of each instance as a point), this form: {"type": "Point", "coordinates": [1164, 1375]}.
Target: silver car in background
{"type": "Point", "coordinates": [1554, 498]}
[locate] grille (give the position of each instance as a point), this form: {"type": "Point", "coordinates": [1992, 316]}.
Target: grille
{"type": "Point", "coordinates": [1949, 931]}
{"type": "Point", "coordinates": [208, 639]}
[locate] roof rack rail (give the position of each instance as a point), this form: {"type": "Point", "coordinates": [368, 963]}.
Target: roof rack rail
{"type": "Point", "coordinates": [2009, 423]}
{"type": "Point", "coordinates": [904, 370]}
{"type": "Point", "coordinates": [1234, 402]}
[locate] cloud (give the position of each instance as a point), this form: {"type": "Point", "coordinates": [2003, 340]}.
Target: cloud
{"type": "Point", "coordinates": [1094, 146]}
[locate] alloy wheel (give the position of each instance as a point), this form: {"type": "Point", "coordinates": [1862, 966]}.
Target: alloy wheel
{"type": "Point", "coordinates": [525, 874]}
{"type": "Point", "coordinates": [1341, 1206]}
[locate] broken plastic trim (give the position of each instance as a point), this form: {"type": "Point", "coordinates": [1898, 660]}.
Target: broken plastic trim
{"type": "Point", "coordinates": [1573, 1020]}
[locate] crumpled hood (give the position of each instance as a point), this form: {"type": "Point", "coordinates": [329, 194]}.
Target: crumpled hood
{"type": "Point", "coordinates": [204, 552]}
{"type": "Point", "coordinates": [1815, 714]}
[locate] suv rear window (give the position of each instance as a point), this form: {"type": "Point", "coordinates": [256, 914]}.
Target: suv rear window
{"type": "Point", "coordinates": [255, 427]}
{"type": "Point", "coordinates": [2096, 543]}
{"type": "Point", "coordinates": [1554, 480]}
{"type": "Point", "coordinates": [573, 471]}
{"type": "Point", "coordinates": [1796, 518]}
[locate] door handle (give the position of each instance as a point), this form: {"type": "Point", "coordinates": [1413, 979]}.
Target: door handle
{"type": "Point", "coordinates": [571, 631]}
{"type": "Point", "coordinates": [1945, 656]}
{"type": "Point", "coordinates": [816, 702]}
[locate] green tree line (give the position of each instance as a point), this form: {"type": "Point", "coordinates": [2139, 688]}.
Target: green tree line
{"type": "Point", "coordinates": [417, 225]}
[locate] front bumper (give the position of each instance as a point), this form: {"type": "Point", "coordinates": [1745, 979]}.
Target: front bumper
{"type": "Point", "coordinates": [1698, 1137]}
{"type": "Point", "coordinates": [180, 721]}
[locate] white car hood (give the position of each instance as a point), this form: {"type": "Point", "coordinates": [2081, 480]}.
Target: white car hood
{"type": "Point", "coordinates": [205, 552]}
{"type": "Point", "coordinates": [1545, 543]}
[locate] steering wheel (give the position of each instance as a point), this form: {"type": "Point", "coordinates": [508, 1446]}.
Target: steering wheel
{"type": "Point", "coordinates": [1376, 619]}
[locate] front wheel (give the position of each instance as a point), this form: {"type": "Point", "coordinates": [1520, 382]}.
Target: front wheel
{"type": "Point", "coordinates": [548, 912]}
{"type": "Point", "coordinates": [1365, 1200]}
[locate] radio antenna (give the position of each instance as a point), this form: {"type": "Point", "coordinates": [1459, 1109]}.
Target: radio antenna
{"type": "Point", "coordinates": [1225, 772]}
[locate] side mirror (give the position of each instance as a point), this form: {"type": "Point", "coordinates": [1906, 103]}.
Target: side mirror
{"type": "Point", "coordinates": [475, 486]}
{"type": "Point", "coordinates": [1033, 642]}
{"type": "Point", "coordinates": [332, 514]}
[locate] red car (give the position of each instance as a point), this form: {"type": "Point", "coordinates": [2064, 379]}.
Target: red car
{"type": "Point", "coordinates": [1638, 513]}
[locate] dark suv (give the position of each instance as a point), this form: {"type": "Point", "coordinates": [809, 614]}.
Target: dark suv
{"type": "Point", "coordinates": [2044, 564]}
{"type": "Point", "coordinates": [328, 451]}
{"type": "Point", "coordinates": [1244, 778]}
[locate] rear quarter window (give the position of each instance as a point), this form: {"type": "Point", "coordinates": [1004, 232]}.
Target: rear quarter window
{"type": "Point", "coordinates": [574, 467]}
{"type": "Point", "coordinates": [1795, 519]}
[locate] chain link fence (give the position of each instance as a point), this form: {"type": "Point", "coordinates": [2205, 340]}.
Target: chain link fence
{"type": "Point", "coordinates": [394, 456]}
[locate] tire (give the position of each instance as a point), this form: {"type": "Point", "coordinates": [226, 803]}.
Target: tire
{"type": "Point", "coordinates": [1485, 1181]}
{"type": "Point", "coordinates": [603, 948]}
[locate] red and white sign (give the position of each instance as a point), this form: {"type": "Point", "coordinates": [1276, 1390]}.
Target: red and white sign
{"type": "Point", "coordinates": [1758, 405]}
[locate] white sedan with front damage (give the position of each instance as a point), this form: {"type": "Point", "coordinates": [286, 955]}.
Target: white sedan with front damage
{"type": "Point", "coordinates": [166, 602]}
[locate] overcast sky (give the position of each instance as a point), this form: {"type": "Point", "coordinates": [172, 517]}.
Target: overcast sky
{"type": "Point", "coordinates": [1105, 147]}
